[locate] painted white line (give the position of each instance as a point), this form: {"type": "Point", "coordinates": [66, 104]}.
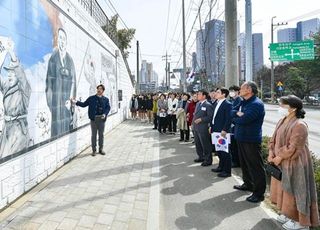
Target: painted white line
{"type": "Point", "coordinates": [153, 222]}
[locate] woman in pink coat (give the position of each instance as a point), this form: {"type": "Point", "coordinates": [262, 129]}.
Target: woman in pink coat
{"type": "Point", "coordinates": [295, 195]}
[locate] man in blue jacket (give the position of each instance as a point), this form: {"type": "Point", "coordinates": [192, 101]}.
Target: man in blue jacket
{"type": "Point", "coordinates": [99, 108]}
{"type": "Point", "coordinates": [248, 119]}
{"type": "Point", "coordinates": [221, 123]}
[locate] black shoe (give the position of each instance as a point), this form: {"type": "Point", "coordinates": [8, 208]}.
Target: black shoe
{"type": "Point", "coordinates": [186, 140]}
{"type": "Point", "coordinates": [198, 160]}
{"type": "Point", "coordinates": [102, 152]}
{"type": "Point", "coordinates": [216, 170]}
{"type": "Point", "coordinates": [224, 174]}
{"type": "Point", "coordinates": [154, 128]}
{"type": "Point", "coordinates": [192, 142]}
{"type": "Point", "coordinates": [205, 164]}
{"type": "Point", "coordinates": [255, 199]}
{"type": "Point", "coordinates": [93, 153]}
{"type": "Point", "coordinates": [242, 187]}
{"type": "Point", "coordinates": [181, 140]}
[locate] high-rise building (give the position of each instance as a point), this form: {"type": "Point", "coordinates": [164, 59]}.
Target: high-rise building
{"type": "Point", "coordinates": [215, 51]}
{"type": "Point", "coordinates": [200, 48]}
{"type": "Point", "coordinates": [287, 35]}
{"type": "Point", "coordinates": [257, 53]}
{"type": "Point", "coordinates": [148, 77]}
{"type": "Point", "coordinates": [306, 29]}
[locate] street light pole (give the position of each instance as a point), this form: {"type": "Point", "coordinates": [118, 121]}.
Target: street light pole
{"type": "Point", "coordinates": [272, 64]}
{"type": "Point", "coordinates": [184, 50]}
{"type": "Point", "coordinates": [272, 67]}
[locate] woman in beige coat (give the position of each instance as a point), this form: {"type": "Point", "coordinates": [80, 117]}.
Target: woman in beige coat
{"type": "Point", "coordinates": [295, 195]}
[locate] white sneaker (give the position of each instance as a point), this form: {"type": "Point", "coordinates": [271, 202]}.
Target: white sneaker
{"type": "Point", "coordinates": [282, 219]}
{"type": "Point", "coordinates": [293, 225]}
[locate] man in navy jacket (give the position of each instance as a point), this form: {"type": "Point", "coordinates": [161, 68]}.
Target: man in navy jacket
{"type": "Point", "coordinates": [99, 108]}
{"type": "Point", "coordinates": [221, 123]}
{"type": "Point", "coordinates": [248, 119]}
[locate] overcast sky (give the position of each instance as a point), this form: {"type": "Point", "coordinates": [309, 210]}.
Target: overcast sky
{"type": "Point", "coordinates": [149, 18]}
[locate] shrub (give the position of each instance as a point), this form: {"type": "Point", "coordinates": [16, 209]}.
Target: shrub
{"type": "Point", "coordinates": [264, 146]}
{"type": "Point", "coordinates": [316, 168]}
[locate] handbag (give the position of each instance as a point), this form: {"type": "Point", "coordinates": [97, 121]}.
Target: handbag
{"type": "Point", "coordinates": [274, 171]}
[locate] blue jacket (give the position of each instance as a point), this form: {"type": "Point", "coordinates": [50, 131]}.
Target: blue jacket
{"type": "Point", "coordinates": [222, 121]}
{"type": "Point", "coordinates": [248, 128]}
{"type": "Point", "coordinates": [92, 102]}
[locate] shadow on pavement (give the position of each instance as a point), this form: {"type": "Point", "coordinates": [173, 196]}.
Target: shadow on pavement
{"type": "Point", "coordinates": [210, 213]}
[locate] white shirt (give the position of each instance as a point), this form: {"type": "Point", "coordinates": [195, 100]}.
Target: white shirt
{"type": "Point", "coordinates": [216, 109]}
{"type": "Point", "coordinates": [171, 108]}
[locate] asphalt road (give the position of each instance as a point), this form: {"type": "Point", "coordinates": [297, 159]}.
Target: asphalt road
{"type": "Point", "coordinates": [312, 119]}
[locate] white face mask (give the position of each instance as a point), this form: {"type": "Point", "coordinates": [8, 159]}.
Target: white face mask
{"type": "Point", "coordinates": [232, 94]}
{"type": "Point", "coordinates": [283, 111]}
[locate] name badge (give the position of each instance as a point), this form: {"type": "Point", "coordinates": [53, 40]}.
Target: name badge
{"type": "Point", "coordinates": [203, 108]}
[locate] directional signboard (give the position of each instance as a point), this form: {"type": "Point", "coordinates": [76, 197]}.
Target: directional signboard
{"type": "Point", "coordinates": [292, 51]}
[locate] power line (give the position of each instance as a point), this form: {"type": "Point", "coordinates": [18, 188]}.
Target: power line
{"type": "Point", "coordinates": [168, 17]}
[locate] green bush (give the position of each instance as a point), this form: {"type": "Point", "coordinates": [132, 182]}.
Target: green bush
{"type": "Point", "coordinates": [264, 146]}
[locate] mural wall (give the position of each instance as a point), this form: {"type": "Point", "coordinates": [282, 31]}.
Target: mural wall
{"type": "Point", "coordinates": [46, 59]}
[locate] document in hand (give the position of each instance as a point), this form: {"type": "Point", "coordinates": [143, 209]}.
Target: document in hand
{"type": "Point", "coordinates": [221, 143]}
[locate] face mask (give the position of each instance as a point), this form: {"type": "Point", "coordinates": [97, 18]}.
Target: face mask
{"type": "Point", "coordinates": [232, 94]}
{"type": "Point", "coordinates": [283, 112]}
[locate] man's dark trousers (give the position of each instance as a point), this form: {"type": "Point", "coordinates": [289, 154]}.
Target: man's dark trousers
{"type": "Point", "coordinates": [203, 146]}
{"type": "Point", "coordinates": [97, 126]}
{"type": "Point", "coordinates": [253, 172]}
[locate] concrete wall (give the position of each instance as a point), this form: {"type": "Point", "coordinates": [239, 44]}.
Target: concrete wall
{"type": "Point", "coordinates": [39, 130]}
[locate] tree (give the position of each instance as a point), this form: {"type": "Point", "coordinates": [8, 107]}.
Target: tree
{"type": "Point", "coordinates": [295, 83]}
{"type": "Point", "coordinates": [121, 37]}
{"type": "Point", "coordinates": [124, 38]}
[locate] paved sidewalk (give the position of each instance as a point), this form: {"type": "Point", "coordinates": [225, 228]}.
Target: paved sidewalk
{"type": "Point", "coordinates": [145, 181]}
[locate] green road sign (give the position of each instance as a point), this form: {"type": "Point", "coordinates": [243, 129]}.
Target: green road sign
{"type": "Point", "coordinates": [292, 51]}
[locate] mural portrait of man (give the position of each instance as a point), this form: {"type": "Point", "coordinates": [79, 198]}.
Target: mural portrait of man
{"type": "Point", "coordinates": [60, 87]}
{"type": "Point", "coordinates": [16, 93]}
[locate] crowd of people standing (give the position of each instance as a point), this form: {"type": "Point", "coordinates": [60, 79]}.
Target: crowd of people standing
{"type": "Point", "coordinates": [237, 114]}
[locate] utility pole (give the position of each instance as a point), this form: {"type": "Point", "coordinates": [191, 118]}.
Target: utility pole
{"type": "Point", "coordinates": [231, 44]}
{"type": "Point", "coordinates": [138, 67]}
{"type": "Point", "coordinates": [184, 50]}
{"type": "Point", "coordinates": [272, 64]}
{"type": "Point", "coordinates": [166, 58]}
{"type": "Point", "coordinates": [248, 13]}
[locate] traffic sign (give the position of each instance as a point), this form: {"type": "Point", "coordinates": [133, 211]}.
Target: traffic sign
{"type": "Point", "coordinates": [292, 51]}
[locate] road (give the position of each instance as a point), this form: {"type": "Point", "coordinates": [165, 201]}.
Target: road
{"type": "Point", "coordinates": [312, 119]}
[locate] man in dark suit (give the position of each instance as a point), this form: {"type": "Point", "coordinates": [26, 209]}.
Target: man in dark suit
{"type": "Point", "coordinates": [201, 120]}
{"type": "Point", "coordinates": [212, 100]}
{"type": "Point", "coordinates": [221, 123]}
{"type": "Point", "coordinates": [248, 119]}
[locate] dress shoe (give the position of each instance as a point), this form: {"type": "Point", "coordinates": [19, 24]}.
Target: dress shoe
{"type": "Point", "coordinates": [186, 140]}
{"type": "Point", "coordinates": [93, 153]}
{"type": "Point", "coordinates": [216, 170]}
{"type": "Point", "coordinates": [205, 164]}
{"type": "Point", "coordinates": [181, 140]}
{"type": "Point", "coordinates": [198, 160]}
{"type": "Point", "coordinates": [242, 187]}
{"type": "Point", "coordinates": [154, 128]}
{"type": "Point", "coordinates": [102, 152]}
{"type": "Point", "coordinates": [255, 199]}
{"type": "Point", "coordinates": [224, 174]}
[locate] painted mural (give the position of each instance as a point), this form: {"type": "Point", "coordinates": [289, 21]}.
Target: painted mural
{"type": "Point", "coordinates": [46, 59]}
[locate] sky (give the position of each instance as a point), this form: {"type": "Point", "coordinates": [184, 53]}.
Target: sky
{"type": "Point", "coordinates": [157, 34]}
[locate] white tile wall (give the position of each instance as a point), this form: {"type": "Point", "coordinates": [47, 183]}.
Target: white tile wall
{"type": "Point", "coordinates": [19, 175]}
